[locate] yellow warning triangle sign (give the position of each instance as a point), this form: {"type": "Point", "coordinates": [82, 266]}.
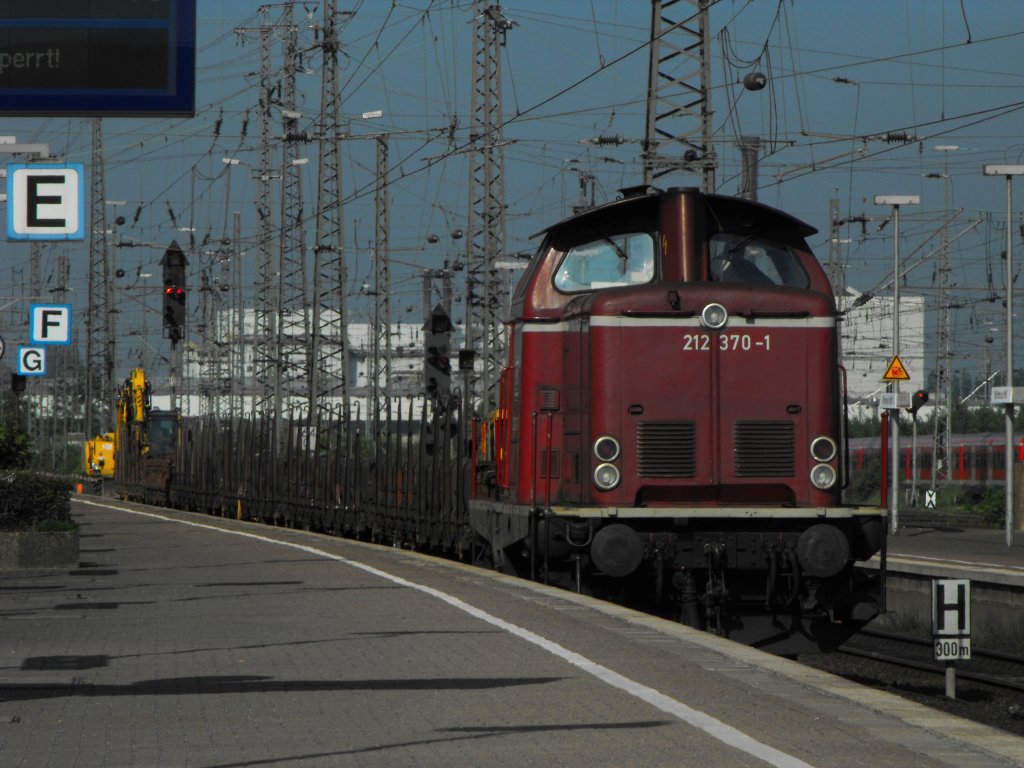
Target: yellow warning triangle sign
{"type": "Point", "coordinates": [896, 371]}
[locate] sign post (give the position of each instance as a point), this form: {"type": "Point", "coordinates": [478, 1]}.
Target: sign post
{"type": "Point", "coordinates": [892, 401]}
{"type": "Point", "coordinates": [951, 625]}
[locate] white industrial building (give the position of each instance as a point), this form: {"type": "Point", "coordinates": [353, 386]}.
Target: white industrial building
{"type": "Point", "coordinates": [866, 332]}
{"type": "Point", "coordinates": [221, 374]}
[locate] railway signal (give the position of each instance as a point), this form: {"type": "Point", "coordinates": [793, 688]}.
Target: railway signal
{"type": "Point", "coordinates": [174, 263]}
{"type": "Point", "coordinates": [918, 399]}
{"type": "Point", "coordinates": [437, 371]}
{"type": "Point", "coordinates": [174, 311]}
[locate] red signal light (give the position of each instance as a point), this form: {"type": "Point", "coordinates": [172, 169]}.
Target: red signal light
{"type": "Point", "coordinates": [918, 399]}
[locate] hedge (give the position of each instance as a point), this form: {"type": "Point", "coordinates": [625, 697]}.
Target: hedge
{"type": "Point", "coordinates": [33, 501]}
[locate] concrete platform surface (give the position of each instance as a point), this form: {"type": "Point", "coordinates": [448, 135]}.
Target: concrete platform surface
{"type": "Point", "coordinates": [186, 640]}
{"type": "Point", "coordinates": [974, 553]}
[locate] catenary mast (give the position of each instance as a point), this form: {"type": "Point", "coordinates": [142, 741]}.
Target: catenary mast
{"type": "Point", "coordinates": [678, 128]}
{"type": "Point", "coordinates": [328, 379]}
{"type": "Point", "coordinates": [486, 207]}
{"type": "Point", "coordinates": [99, 388]}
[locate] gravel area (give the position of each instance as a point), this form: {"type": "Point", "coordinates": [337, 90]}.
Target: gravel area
{"type": "Point", "coordinates": [990, 705]}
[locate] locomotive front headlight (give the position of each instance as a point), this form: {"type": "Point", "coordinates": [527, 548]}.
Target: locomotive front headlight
{"type": "Point", "coordinates": [714, 316]}
{"type": "Point", "coordinates": [606, 448]}
{"type": "Point", "coordinates": [823, 476]}
{"type": "Point", "coordinates": [606, 476]}
{"type": "Point", "coordinates": [823, 448]}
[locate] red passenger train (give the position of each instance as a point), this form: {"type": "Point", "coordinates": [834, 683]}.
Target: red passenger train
{"type": "Point", "coordinates": [671, 422]}
{"type": "Point", "coordinates": [976, 459]}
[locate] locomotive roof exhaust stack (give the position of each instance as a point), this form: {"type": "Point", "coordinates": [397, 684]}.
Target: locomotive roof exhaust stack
{"type": "Point", "coordinates": [638, 191]}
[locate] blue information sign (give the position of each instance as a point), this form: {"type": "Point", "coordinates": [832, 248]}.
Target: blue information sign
{"type": "Point", "coordinates": [106, 57]}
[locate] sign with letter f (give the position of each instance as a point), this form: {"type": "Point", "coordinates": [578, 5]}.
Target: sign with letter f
{"type": "Point", "coordinates": [50, 323]}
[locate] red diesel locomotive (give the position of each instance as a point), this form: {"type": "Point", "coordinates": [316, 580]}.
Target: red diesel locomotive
{"type": "Point", "coordinates": [670, 425]}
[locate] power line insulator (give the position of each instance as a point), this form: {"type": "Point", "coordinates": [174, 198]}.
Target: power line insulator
{"type": "Point", "coordinates": [755, 81]}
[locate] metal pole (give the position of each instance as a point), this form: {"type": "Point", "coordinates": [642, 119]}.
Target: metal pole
{"type": "Point", "coordinates": [894, 422]}
{"type": "Point", "coordinates": [894, 502]}
{"type": "Point", "coordinates": [913, 465]}
{"type": "Point", "coordinates": [1009, 360]}
{"type": "Point", "coordinates": [1009, 171]}
{"type": "Point", "coordinates": [238, 348]}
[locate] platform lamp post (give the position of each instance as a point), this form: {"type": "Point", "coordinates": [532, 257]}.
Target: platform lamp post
{"type": "Point", "coordinates": [1007, 398]}
{"type": "Point", "coordinates": [894, 427]}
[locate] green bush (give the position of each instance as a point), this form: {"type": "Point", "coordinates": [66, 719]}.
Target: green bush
{"type": "Point", "coordinates": [865, 483]}
{"type": "Point", "coordinates": [989, 504]}
{"type": "Point", "coordinates": [31, 501]}
{"type": "Point", "coordinates": [15, 446]}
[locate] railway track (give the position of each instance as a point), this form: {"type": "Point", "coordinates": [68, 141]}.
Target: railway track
{"type": "Point", "coordinates": [994, 668]}
{"type": "Point", "coordinates": [989, 687]}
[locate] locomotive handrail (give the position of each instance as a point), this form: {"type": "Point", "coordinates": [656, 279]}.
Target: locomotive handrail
{"type": "Point", "coordinates": [536, 458]}
{"type": "Point", "coordinates": [844, 428]}
{"type": "Point", "coordinates": [547, 446]}
{"type": "Point", "coordinates": [659, 313]}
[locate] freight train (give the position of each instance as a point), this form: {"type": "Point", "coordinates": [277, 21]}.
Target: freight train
{"type": "Point", "coordinates": [669, 434]}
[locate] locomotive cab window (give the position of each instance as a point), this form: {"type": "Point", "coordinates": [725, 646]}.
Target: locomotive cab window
{"type": "Point", "coordinates": [626, 259]}
{"type": "Point", "coordinates": [161, 436]}
{"type": "Point", "coordinates": [748, 259]}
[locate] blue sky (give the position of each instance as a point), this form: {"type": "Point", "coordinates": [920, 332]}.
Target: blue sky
{"type": "Point", "coordinates": [840, 76]}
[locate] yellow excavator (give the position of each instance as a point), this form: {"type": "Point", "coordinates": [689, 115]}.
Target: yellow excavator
{"type": "Point", "coordinates": [99, 456]}
{"type": "Point", "coordinates": [144, 444]}
{"type": "Point", "coordinates": [133, 406]}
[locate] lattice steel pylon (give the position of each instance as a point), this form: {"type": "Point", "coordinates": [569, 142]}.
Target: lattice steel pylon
{"type": "Point", "coordinates": [214, 330]}
{"type": "Point", "coordinates": [264, 319]}
{"type": "Point", "coordinates": [941, 456]}
{"type": "Point", "coordinates": [380, 369]}
{"type": "Point", "coordinates": [678, 129]}
{"type": "Point", "coordinates": [35, 290]}
{"type": "Point", "coordinates": [328, 377]}
{"type": "Point", "coordinates": [291, 360]}
{"type": "Point", "coordinates": [484, 330]}
{"type": "Point", "coordinates": [64, 401]}
{"type": "Point", "coordinates": [100, 352]}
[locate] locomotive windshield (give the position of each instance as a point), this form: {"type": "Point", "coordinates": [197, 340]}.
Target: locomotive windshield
{"type": "Point", "coordinates": [625, 259]}
{"type": "Point", "coordinates": [750, 259]}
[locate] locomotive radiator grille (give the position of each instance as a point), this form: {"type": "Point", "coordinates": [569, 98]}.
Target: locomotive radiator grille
{"type": "Point", "coordinates": [667, 448]}
{"type": "Point", "coordinates": [764, 448]}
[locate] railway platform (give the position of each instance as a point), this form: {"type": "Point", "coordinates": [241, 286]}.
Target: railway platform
{"type": "Point", "coordinates": [972, 551]}
{"type": "Point", "coordinates": [187, 640]}
{"type": "Point", "coordinates": [918, 555]}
